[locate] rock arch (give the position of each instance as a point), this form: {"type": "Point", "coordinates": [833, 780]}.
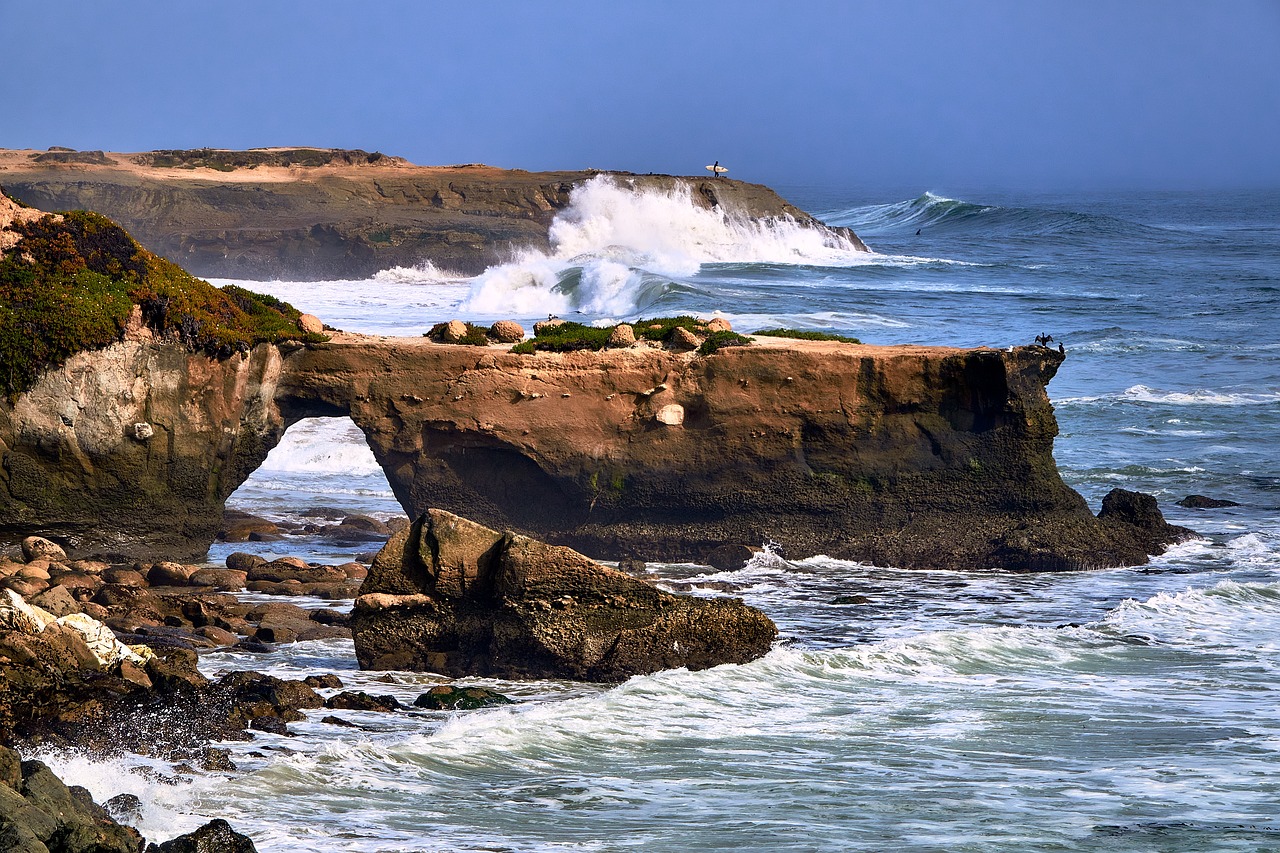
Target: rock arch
{"type": "Point", "coordinates": [911, 456]}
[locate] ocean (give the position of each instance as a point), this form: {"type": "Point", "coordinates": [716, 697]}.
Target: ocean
{"type": "Point", "coordinates": [1130, 709]}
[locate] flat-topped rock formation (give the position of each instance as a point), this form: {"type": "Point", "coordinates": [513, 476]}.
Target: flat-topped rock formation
{"type": "Point", "coordinates": [308, 214]}
{"type": "Point", "coordinates": [908, 456]}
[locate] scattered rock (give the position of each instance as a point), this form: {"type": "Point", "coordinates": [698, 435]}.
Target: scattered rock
{"type": "Point", "coordinates": [453, 331]}
{"type": "Point", "coordinates": [338, 721]}
{"type": "Point", "coordinates": [1202, 502]}
{"type": "Point", "coordinates": [327, 680]}
{"type": "Point", "coordinates": [57, 600]}
{"type": "Point", "coordinates": [681, 339]}
{"type": "Point", "coordinates": [228, 579]}
{"type": "Point", "coordinates": [170, 574]}
{"type": "Point", "coordinates": [216, 760]}
{"type": "Point", "coordinates": [237, 526]}
{"type": "Point", "coordinates": [358, 700]}
{"type": "Point", "coordinates": [633, 566]}
{"type": "Point", "coordinates": [240, 561]}
{"type": "Point", "coordinates": [543, 326]}
{"type": "Point", "coordinates": [671, 414]}
{"type": "Point", "coordinates": [850, 599]}
{"type": "Point", "coordinates": [450, 697]}
{"type": "Point", "coordinates": [622, 336]}
{"type": "Point", "coordinates": [1142, 513]}
{"type": "Point", "coordinates": [719, 324]}
{"type": "Point", "coordinates": [270, 725]}
{"type": "Point", "coordinates": [36, 547]}
{"type": "Point", "coordinates": [310, 324]}
{"type": "Point", "coordinates": [730, 558]}
{"type": "Point", "coordinates": [507, 332]}
{"type": "Point", "coordinates": [126, 808]}
{"type": "Point", "coordinates": [125, 577]}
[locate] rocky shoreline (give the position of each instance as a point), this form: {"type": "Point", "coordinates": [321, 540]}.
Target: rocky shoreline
{"type": "Point", "coordinates": [506, 454]}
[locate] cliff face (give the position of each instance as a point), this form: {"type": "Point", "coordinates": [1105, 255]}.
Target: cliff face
{"type": "Point", "coordinates": [243, 216]}
{"type": "Point", "coordinates": [134, 448]}
{"type": "Point", "coordinates": [908, 456]}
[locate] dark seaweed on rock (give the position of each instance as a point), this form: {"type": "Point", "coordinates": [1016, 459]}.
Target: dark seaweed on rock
{"type": "Point", "coordinates": [71, 281]}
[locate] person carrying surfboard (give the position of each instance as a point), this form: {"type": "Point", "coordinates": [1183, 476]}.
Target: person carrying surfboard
{"type": "Point", "coordinates": [716, 169]}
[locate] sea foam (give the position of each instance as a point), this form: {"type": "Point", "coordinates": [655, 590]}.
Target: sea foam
{"type": "Point", "coordinates": [616, 249]}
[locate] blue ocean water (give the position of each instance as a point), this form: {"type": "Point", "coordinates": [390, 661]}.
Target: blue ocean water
{"type": "Point", "coordinates": [1133, 709]}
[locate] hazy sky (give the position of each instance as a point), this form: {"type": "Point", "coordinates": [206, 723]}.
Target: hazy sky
{"type": "Point", "coordinates": [1019, 94]}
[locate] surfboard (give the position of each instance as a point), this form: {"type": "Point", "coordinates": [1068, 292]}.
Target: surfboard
{"type": "Point", "coordinates": [719, 170]}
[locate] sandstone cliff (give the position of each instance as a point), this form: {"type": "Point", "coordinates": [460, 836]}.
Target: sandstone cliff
{"type": "Point", "coordinates": [310, 214]}
{"type": "Point", "coordinates": [134, 448]}
{"type": "Point", "coordinates": [908, 456]}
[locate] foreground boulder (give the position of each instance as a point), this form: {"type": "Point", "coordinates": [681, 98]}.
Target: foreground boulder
{"type": "Point", "coordinates": [449, 595]}
{"type": "Point", "coordinates": [40, 814]}
{"type": "Point", "coordinates": [216, 836]}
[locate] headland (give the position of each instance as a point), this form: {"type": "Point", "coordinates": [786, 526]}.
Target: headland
{"type": "Point", "coordinates": [308, 214]}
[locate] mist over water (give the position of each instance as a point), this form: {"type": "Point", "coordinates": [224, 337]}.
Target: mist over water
{"type": "Point", "coordinates": [1129, 709]}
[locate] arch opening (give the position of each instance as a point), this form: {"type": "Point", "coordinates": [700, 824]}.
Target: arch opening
{"type": "Point", "coordinates": [319, 495]}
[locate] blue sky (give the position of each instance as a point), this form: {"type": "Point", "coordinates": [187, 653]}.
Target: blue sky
{"type": "Point", "coordinates": [1052, 95]}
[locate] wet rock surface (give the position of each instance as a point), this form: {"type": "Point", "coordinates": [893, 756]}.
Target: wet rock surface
{"type": "Point", "coordinates": [448, 595]}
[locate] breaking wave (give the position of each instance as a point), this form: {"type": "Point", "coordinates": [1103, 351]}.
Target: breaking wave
{"type": "Point", "coordinates": [615, 249]}
{"type": "Point", "coordinates": [935, 212]}
{"type": "Point", "coordinates": [322, 446]}
{"type": "Point", "coordinates": [1197, 397]}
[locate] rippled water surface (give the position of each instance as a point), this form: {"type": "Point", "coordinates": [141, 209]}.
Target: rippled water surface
{"type": "Point", "coordinates": [1134, 709]}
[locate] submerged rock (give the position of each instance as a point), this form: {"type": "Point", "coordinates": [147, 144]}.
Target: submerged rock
{"type": "Point", "coordinates": [450, 697]}
{"type": "Point", "coordinates": [1203, 502]}
{"type": "Point", "coordinates": [452, 596]}
{"type": "Point", "coordinates": [216, 836]}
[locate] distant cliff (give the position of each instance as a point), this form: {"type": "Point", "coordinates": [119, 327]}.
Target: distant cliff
{"type": "Point", "coordinates": [310, 214]}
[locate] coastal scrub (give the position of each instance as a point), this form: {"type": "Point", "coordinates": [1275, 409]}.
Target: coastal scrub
{"type": "Point", "coordinates": [71, 281]}
{"type": "Point", "coordinates": [568, 336]}
{"type": "Point", "coordinates": [806, 335]}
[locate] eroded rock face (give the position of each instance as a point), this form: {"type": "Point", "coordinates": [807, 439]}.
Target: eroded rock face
{"type": "Point", "coordinates": [76, 469]}
{"type": "Point", "coordinates": [908, 456]}
{"type": "Point", "coordinates": [448, 595]}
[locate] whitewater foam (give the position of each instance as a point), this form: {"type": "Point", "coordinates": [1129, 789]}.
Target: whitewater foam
{"type": "Point", "coordinates": [322, 446]}
{"type": "Point", "coordinates": [615, 249]}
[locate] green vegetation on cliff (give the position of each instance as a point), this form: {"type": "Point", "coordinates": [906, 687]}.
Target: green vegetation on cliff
{"type": "Point", "coordinates": [566, 337]}
{"type": "Point", "coordinates": [805, 335]}
{"type": "Point", "coordinates": [228, 161]}
{"type": "Point", "coordinates": [71, 281]}
{"type": "Point", "coordinates": [569, 336]}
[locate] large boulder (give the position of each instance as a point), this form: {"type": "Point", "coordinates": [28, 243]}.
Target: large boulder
{"type": "Point", "coordinates": [39, 813]}
{"type": "Point", "coordinates": [452, 596]}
